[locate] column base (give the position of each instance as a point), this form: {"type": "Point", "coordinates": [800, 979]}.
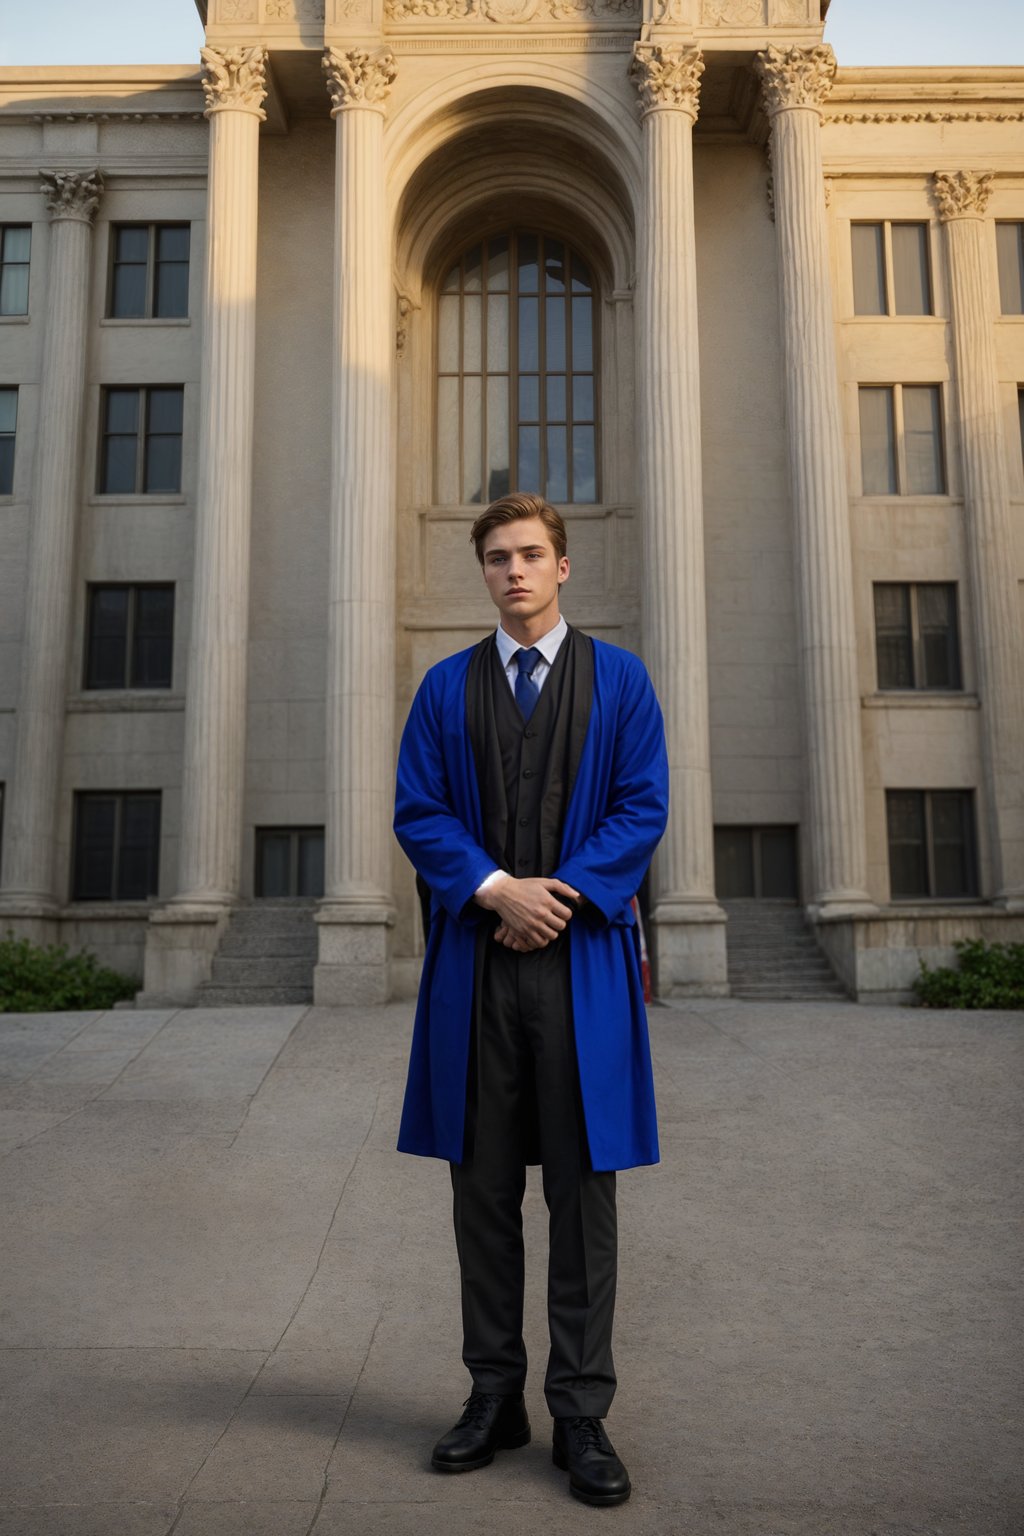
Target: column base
{"type": "Point", "coordinates": [837, 909]}
{"type": "Point", "coordinates": [181, 941]}
{"type": "Point", "coordinates": [689, 949]}
{"type": "Point", "coordinates": [354, 960]}
{"type": "Point", "coordinates": [33, 919]}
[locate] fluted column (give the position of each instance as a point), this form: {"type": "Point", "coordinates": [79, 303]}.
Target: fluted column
{"type": "Point", "coordinates": [796, 83]}
{"type": "Point", "coordinates": [357, 913]}
{"type": "Point", "coordinates": [32, 807]}
{"type": "Point", "coordinates": [961, 198]}
{"type": "Point", "coordinates": [214, 763]}
{"type": "Point", "coordinates": [689, 931]}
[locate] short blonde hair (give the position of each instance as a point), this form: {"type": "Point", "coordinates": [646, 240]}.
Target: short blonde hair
{"type": "Point", "coordinates": [509, 509]}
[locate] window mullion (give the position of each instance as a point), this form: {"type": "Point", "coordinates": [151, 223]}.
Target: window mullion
{"type": "Point", "coordinates": [151, 272]}
{"type": "Point", "coordinates": [897, 428]}
{"type": "Point", "coordinates": [916, 656]}
{"type": "Point", "coordinates": [929, 851]}
{"type": "Point", "coordinates": [890, 274]}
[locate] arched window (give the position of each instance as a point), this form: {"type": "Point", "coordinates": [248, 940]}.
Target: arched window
{"type": "Point", "coordinates": [516, 373]}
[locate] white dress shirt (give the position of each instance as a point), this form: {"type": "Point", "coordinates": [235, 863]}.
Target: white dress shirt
{"type": "Point", "coordinates": [508, 649]}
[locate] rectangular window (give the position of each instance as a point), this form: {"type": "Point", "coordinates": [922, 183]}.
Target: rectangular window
{"type": "Point", "coordinates": [15, 248]}
{"type": "Point", "coordinates": [901, 441]}
{"type": "Point", "coordinates": [931, 843]}
{"type": "Point", "coordinates": [8, 432]}
{"type": "Point", "coordinates": [141, 447]}
{"type": "Point", "coordinates": [129, 636]}
{"type": "Point", "coordinates": [917, 641]}
{"type": "Point", "coordinates": [891, 269]}
{"type": "Point", "coordinates": [1010, 250]}
{"type": "Point", "coordinates": [149, 272]}
{"type": "Point", "coordinates": [116, 845]}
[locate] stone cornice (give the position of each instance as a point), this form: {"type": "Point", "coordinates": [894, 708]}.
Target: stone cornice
{"type": "Point", "coordinates": [667, 76]}
{"type": "Point", "coordinates": [234, 79]}
{"type": "Point", "coordinates": [961, 194]}
{"type": "Point", "coordinates": [359, 78]}
{"type": "Point", "coordinates": [72, 194]}
{"type": "Point", "coordinates": [795, 77]}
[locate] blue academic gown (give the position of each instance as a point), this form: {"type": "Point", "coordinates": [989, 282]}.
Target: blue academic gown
{"type": "Point", "coordinates": [615, 818]}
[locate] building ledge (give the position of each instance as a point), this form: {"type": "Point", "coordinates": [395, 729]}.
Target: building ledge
{"type": "Point", "coordinates": [919, 698]}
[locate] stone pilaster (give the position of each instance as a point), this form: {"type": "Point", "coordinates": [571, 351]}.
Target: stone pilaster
{"type": "Point", "coordinates": [214, 756]}
{"type": "Point", "coordinates": [962, 198]}
{"type": "Point", "coordinates": [796, 82]}
{"type": "Point", "coordinates": [356, 915]}
{"type": "Point", "coordinates": [689, 925]}
{"type": "Point", "coordinates": [32, 811]}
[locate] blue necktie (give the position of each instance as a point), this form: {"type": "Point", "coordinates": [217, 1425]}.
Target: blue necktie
{"type": "Point", "coordinates": [527, 692]}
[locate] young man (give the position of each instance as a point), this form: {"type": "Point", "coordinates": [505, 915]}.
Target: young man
{"type": "Point", "coordinates": [532, 791]}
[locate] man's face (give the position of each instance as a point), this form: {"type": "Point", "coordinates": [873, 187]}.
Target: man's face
{"type": "Point", "coordinates": [522, 571]}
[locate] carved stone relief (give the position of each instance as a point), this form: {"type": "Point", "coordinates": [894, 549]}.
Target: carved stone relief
{"type": "Point", "coordinates": [358, 78]}
{"type": "Point", "coordinates": [961, 194]}
{"type": "Point", "coordinates": [72, 194]}
{"type": "Point", "coordinates": [732, 13]}
{"type": "Point", "coordinates": [667, 76]}
{"type": "Point", "coordinates": [509, 12]}
{"type": "Point", "coordinates": [294, 10]}
{"type": "Point", "coordinates": [234, 78]}
{"type": "Point", "coordinates": [237, 10]}
{"type": "Point", "coordinates": [796, 77]}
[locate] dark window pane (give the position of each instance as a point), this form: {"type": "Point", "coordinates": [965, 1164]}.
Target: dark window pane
{"type": "Point", "coordinates": [170, 299]}
{"type": "Point", "coordinates": [311, 864]}
{"type": "Point", "coordinates": [558, 474]}
{"type": "Point", "coordinates": [8, 410]}
{"type": "Point", "coordinates": [908, 869]}
{"type": "Point", "coordinates": [952, 858]}
{"type": "Point", "coordinates": [128, 295]}
{"type": "Point", "coordinates": [471, 270]}
{"type": "Point", "coordinates": [583, 397]}
{"type": "Point", "coordinates": [922, 432]}
{"type": "Point", "coordinates": [554, 267]}
{"type": "Point", "coordinates": [777, 846]}
{"type": "Point", "coordinates": [528, 477]}
{"type": "Point", "coordinates": [554, 335]}
{"type": "Point", "coordinates": [1010, 249]}
{"type": "Point", "coordinates": [584, 465]}
{"type": "Point", "coordinates": [734, 861]}
{"type": "Point", "coordinates": [138, 863]}
{"type": "Point", "coordinates": [936, 616]}
{"type": "Point", "coordinates": [95, 825]}
{"type": "Point", "coordinates": [529, 344]}
{"type": "Point", "coordinates": [165, 409]}
{"type": "Point", "coordinates": [582, 337]}
{"type": "Point", "coordinates": [893, 639]}
{"type": "Point", "coordinates": [14, 291]}
{"type": "Point", "coordinates": [107, 648]}
{"type": "Point", "coordinates": [122, 410]}
{"type": "Point", "coordinates": [451, 282]}
{"type": "Point", "coordinates": [529, 397]}
{"type": "Point", "coordinates": [132, 243]}
{"type": "Point", "coordinates": [153, 638]}
{"type": "Point", "coordinates": [581, 281]}
{"type": "Point", "coordinates": [497, 265]}
{"type": "Point", "coordinates": [163, 465]}
{"type": "Point", "coordinates": [17, 242]}
{"type": "Point", "coordinates": [172, 242]}
{"type": "Point", "coordinates": [877, 442]}
{"type": "Point", "coordinates": [868, 246]}
{"type": "Point", "coordinates": [911, 271]}
{"type": "Point", "coordinates": [6, 465]}
{"type": "Point", "coordinates": [273, 864]}
{"type": "Point", "coordinates": [555, 396]}
{"type": "Point", "coordinates": [117, 476]}
{"type": "Point", "coordinates": [528, 264]}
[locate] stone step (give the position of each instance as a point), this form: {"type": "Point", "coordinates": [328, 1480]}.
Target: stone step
{"type": "Point", "coordinates": [292, 946]}
{"type": "Point", "coordinates": [267, 972]}
{"type": "Point", "coordinates": [273, 919]}
{"type": "Point", "coordinates": [213, 996]}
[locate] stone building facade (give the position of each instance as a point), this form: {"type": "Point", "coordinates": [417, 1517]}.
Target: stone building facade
{"type": "Point", "coordinates": [273, 329]}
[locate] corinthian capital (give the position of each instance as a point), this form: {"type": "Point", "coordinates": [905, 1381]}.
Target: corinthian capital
{"type": "Point", "coordinates": [667, 76]}
{"type": "Point", "coordinates": [961, 194]}
{"type": "Point", "coordinates": [72, 194]}
{"type": "Point", "coordinates": [234, 79]}
{"type": "Point", "coordinates": [358, 78]}
{"type": "Point", "coordinates": [795, 77]}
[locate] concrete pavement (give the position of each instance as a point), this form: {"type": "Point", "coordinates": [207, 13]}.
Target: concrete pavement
{"type": "Point", "coordinates": [228, 1306]}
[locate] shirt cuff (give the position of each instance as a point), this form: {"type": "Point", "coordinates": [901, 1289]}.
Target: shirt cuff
{"type": "Point", "coordinates": [495, 874]}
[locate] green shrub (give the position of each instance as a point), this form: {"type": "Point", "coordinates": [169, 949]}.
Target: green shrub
{"type": "Point", "coordinates": [38, 978]}
{"type": "Point", "coordinates": [988, 976]}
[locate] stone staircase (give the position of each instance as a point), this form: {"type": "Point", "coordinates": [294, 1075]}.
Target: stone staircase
{"type": "Point", "coordinates": [772, 953]}
{"type": "Point", "coordinates": [266, 956]}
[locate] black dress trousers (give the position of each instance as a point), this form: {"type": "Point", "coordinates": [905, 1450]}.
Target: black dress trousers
{"type": "Point", "coordinates": [523, 1091]}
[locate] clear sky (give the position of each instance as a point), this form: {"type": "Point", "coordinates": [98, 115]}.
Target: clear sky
{"type": "Point", "coordinates": [169, 32]}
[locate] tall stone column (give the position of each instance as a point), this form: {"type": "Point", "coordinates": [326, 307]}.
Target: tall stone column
{"type": "Point", "coordinates": [961, 198]}
{"type": "Point", "coordinates": [796, 83]}
{"type": "Point", "coordinates": [689, 924]}
{"type": "Point", "coordinates": [32, 812]}
{"type": "Point", "coordinates": [183, 937]}
{"type": "Point", "coordinates": [356, 915]}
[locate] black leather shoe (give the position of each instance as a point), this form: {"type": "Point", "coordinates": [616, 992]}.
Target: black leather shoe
{"type": "Point", "coordinates": [489, 1423]}
{"type": "Point", "coordinates": [596, 1475]}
